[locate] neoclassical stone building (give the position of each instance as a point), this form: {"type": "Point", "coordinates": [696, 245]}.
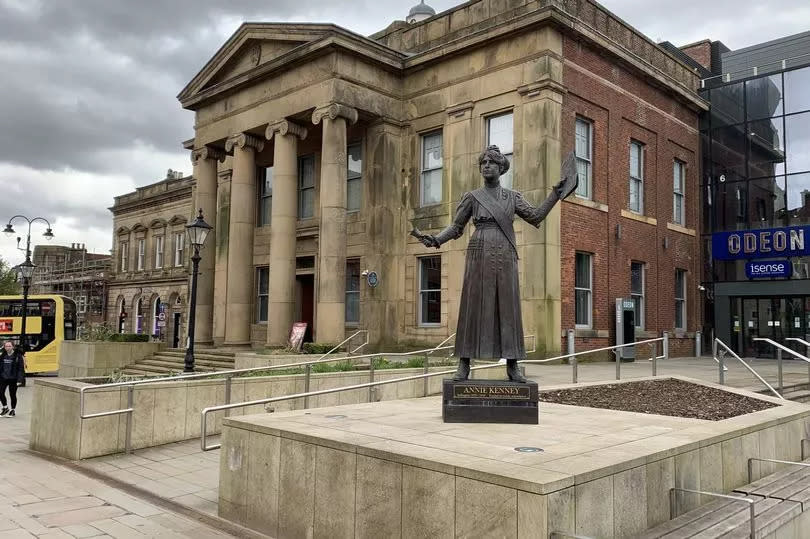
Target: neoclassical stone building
{"type": "Point", "coordinates": [316, 150]}
{"type": "Point", "coordinates": [150, 262]}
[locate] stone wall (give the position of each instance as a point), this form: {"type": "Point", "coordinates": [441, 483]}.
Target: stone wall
{"type": "Point", "coordinates": [169, 412]}
{"type": "Point", "coordinates": [83, 359]}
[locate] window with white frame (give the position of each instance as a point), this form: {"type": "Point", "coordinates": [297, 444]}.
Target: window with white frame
{"type": "Point", "coordinates": [262, 293]}
{"type": "Point", "coordinates": [501, 132]}
{"type": "Point", "coordinates": [81, 304]}
{"type": "Point", "coordinates": [353, 291]}
{"type": "Point", "coordinates": [354, 177]}
{"type": "Point", "coordinates": [306, 187]}
{"type": "Point", "coordinates": [179, 248]}
{"type": "Point", "coordinates": [158, 252]}
{"type": "Point", "coordinates": [583, 290]}
{"type": "Point", "coordinates": [430, 290]}
{"type": "Point", "coordinates": [141, 253]}
{"type": "Point", "coordinates": [264, 177]}
{"type": "Point", "coordinates": [680, 299]}
{"type": "Point", "coordinates": [124, 247]}
{"type": "Point", "coordinates": [678, 181]}
{"type": "Point", "coordinates": [431, 184]}
{"type": "Point", "coordinates": [636, 177]}
{"type": "Point", "coordinates": [583, 149]}
{"type": "Point", "coordinates": [637, 283]}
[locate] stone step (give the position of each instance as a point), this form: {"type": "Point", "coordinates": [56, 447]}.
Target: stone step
{"type": "Point", "coordinates": [798, 396]}
{"type": "Point", "coordinates": [179, 364]}
{"type": "Point", "coordinates": [221, 359]}
{"type": "Point", "coordinates": [180, 352]}
{"type": "Point", "coordinates": [222, 365]}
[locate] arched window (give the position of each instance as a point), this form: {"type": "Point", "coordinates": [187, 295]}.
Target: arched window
{"type": "Point", "coordinates": [122, 311]}
{"type": "Point", "coordinates": [139, 316]}
{"type": "Point", "coordinates": [155, 314]}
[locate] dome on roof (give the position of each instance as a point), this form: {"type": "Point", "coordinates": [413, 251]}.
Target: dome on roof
{"type": "Point", "coordinates": [420, 12]}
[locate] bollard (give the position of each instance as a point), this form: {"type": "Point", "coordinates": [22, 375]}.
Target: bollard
{"type": "Point", "coordinates": [698, 344]}
{"type": "Point", "coordinates": [655, 359]}
{"type": "Point", "coordinates": [571, 350]}
{"type": "Point", "coordinates": [666, 345]}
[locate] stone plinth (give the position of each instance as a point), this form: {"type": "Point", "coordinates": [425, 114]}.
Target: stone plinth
{"type": "Point", "coordinates": [394, 469]}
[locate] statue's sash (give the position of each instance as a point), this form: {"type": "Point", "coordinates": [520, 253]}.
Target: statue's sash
{"type": "Point", "coordinates": [502, 218]}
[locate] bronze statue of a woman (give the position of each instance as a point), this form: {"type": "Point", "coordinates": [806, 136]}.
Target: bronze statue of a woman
{"type": "Point", "coordinates": [489, 320]}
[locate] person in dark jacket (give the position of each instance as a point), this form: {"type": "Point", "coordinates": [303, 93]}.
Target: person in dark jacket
{"type": "Point", "coordinates": [12, 371]}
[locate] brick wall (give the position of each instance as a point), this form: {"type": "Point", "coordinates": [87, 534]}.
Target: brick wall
{"type": "Point", "coordinates": [624, 107]}
{"type": "Point", "coordinates": [701, 52]}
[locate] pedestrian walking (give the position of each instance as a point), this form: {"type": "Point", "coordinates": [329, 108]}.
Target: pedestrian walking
{"type": "Point", "coordinates": [12, 371]}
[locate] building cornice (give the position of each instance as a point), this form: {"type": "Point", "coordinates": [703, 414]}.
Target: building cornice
{"type": "Point", "coordinates": [150, 201]}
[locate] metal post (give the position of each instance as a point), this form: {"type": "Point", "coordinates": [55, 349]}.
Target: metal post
{"type": "Point", "coordinates": [228, 380]}
{"type": "Point", "coordinates": [698, 344]}
{"type": "Point", "coordinates": [655, 358]}
{"type": "Point", "coordinates": [130, 404]}
{"type": "Point", "coordinates": [371, 380]}
{"type": "Point", "coordinates": [779, 367]}
{"type": "Point", "coordinates": [189, 359]}
{"type": "Point", "coordinates": [618, 355]}
{"type": "Point", "coordinates": [427, 369]}
{"type": "Point", "coordinates": [753, 525]}
{"type": "Point", "coordinates": [571, 350]}
{"type": "Point", "coordinates": [665, 349]}
{"type": "Point", "coordinates": [721, 376]}
{"type": "Point", "coordinates": [306, 384]}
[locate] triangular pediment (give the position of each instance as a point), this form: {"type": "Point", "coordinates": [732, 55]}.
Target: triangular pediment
{"type": "Point", "coordinates": [250, 47]}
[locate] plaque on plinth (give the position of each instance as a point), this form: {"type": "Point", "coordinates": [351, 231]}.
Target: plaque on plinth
{"type": "Point", "coordinates": [489, 401]}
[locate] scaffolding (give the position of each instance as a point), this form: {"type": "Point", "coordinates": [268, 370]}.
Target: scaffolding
{"type": "Point", "coordinates": [77, 274]}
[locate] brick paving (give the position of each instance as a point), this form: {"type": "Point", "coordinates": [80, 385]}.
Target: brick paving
{"type": "Point", "coordinates": [48, 499]}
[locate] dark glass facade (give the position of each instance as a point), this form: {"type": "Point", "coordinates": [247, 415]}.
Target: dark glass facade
{"type": "Point", "coordinates": [755, 145]}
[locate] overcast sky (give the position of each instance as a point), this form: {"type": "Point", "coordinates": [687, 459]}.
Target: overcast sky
{"type": "Point", "coordinates": [87, 87]}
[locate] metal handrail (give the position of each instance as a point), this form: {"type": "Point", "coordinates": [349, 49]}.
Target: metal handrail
{"type": "Point", "coordinates": [749, 501]}
{"type": "Point", "coordinates": [719, 359]}
{"type": "Point", "coordinates": [752, 459]}
{"type": "Point", "coordinates": [228, 375]}
{"type": "Point", "coordinates": [779, 349]}
{"type": "Point", "coordinates": [225, 407]}
{"type": "Point", "coordinates": [574, 355]}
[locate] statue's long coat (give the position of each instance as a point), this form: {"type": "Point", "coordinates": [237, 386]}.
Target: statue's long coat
{"type": "Point", "coordinates": [489, 320]}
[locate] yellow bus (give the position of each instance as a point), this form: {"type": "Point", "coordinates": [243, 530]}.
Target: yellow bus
{"type": "Point", "coordinates": [50, 320]}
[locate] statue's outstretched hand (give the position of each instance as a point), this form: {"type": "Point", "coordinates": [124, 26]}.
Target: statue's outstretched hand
{"type": "Point", "coordinates": [568, 177]}
{"type": "Point", "coordinates": [429, 240]}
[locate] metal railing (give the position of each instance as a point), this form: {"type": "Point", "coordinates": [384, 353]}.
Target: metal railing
{"type": "Point", "coordinates": [752, 459]}
{"type": "Point", "coordinates": [227, 374]}
{"type": "Point", "coordinates": [572, 355]}
{"type": "Point", "coordinates": [674, 490]}
{"type": "Point", "coordinates": [719, 358]}
{"type": "Point", "coordinates": [807, 349]}
{"type": "Point", "coordinates": [427, 363]}
{"type": "Point", "coordinates": [373, 384]}
{"type": "Point", "coordinates": [779, 349]}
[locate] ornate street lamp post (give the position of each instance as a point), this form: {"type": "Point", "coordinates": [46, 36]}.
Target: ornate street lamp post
{"type": "Point", "coordinates": [26, 269]}
{"type": "Point", "coordinates": [197, 233]}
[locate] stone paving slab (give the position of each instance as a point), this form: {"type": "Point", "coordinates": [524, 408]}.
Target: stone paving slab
{"type": "Point", "coordinates": [48, 499]}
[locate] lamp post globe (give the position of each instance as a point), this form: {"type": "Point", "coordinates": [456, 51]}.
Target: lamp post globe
{"type": "Point", "coordinates": [197, 233]}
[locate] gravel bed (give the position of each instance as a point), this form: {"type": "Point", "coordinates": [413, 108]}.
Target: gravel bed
{"type": "Point", "coordinates": [661, 397]}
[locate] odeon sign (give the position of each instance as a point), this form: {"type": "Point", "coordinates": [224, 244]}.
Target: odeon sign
{"type": "Point", "coordinates": [764, 243]}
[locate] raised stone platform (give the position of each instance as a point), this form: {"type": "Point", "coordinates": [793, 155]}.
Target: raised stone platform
{"type": "Point", "coordinates": [395, 469]}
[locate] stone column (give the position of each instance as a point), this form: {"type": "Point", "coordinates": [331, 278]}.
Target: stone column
{"type": "Point", "coordinates": [222, 224]}
{"type": "Point", "coordinates": [240, 238]}
{"type": "Point", "coordinates": [537, 138]}
{"type": "Point", "coordinates": [204, 162]}
{"type": "Point", "coordinates": [330, 317]}
{"type": "Point", "coordinates": [283, 220]}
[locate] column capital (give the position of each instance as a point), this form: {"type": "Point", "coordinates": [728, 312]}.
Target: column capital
{"type": "Point", "coordinates": [244, 140]}
{"type": "Point", "coordinates": [284, 127]}
{"type": "Point", "coordinates": [207, 152]}
{"type": "Point", "coordinates": [334, 110]}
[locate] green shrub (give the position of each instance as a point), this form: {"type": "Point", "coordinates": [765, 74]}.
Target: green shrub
{"type": "Point", "coordinates": [317, 347]}
{"type": "Point", "coordinates": [128, 337]}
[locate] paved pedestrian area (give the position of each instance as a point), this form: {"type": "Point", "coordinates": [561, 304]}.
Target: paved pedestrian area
{"type": "Point", "coordinates": [181, 473]}
{"type": "Point", "coordinates": [47, 499]}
